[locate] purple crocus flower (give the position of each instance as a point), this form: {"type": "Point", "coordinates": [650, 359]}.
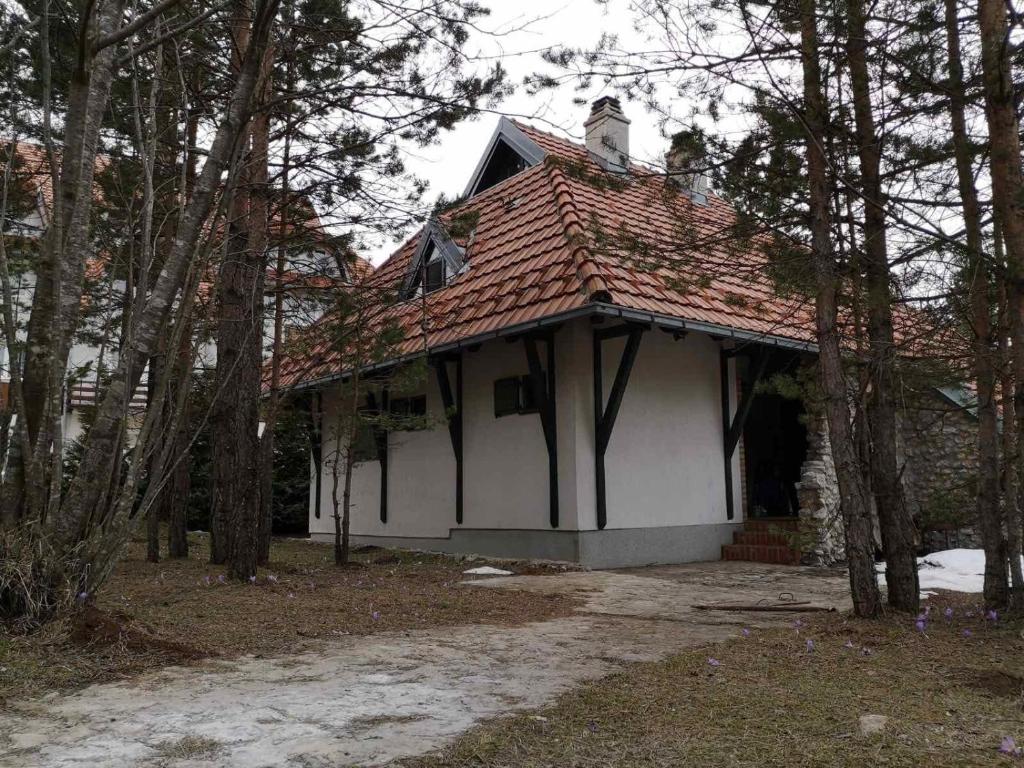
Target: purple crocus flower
{"type": "Point", "coordinates": [948, 614]}
{"type": "Point", "coordinates": [967, 633]}
{"type": "Point", "coordinates": [272, 579]}
{"type": "Point", "coordinates": [746, 632]}
{"type": "Point", "coordinates": [252, 579]}
{"type": "Point", "coordinates": [849, 644]}
{"type": "Point", "coordinates": [375, 615]}
{"type": "Point", "coordinates": [991, 615]}
{"type": "Point", "coordinates": [797, 624]}
{"type": "Point", "coordinates": [222, 579]}
{"type": "Point", "coordinates": [592, 726]}
{"type": "Point", "coordinates": [82, 597]}
{"type": "Point", "coordinates": [1009, 747]}
{"type": "Point", "coordinates": [865, 651]}
{"type": "Point", "coordinates": [921, 624]}
{"type": "Point", "coordinates": [207, 580]}
{"type": "Point", "coordinates": [291, 594]}
{"type": "Point", "coordinates": [810, 645]}
{"type": "Point", "coordinates": [714, 662]}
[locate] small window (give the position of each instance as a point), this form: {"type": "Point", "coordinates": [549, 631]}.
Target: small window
{"type": "Point", "coordinates": [527, 402]}
{"type": "Point", "coordinates": [506, 396]}
{"type": "Point", "coordinates": [409, 406]}
{"type": "Point", "coordinates": [514, 395]}
{"type": "Point", "coordinates": [432, 273]}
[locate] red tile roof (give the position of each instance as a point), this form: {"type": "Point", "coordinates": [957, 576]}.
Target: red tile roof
{"type": "Point", "coordinates": [551, 239]}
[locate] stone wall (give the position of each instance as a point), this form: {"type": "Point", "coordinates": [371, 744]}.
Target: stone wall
{"type": "Point", "coordinates": [939, 446]}
{"type": "Point", "coordinates": [821, 525]}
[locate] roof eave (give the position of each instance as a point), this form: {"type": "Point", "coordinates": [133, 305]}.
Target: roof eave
{"type": "Point", "coordinates": [594, 309]}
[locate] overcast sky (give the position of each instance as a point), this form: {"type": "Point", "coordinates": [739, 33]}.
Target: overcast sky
{"type": "Point", "coordinates": [449, 164]}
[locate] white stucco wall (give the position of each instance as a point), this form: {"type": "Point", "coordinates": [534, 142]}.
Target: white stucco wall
{"type": "Point", "coordinates": [664, 463]}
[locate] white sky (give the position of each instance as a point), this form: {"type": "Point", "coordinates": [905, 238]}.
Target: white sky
{"type": "Point", "coordinates": [578, 23]}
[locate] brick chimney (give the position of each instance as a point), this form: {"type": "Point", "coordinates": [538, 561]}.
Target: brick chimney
{"type": "Point", "coordinates": [608, 134]}
{"type": "Point", "coordinates": [684, 165]}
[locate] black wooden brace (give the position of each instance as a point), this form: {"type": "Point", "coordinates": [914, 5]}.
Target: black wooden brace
{"type": "Point", "coordinates": [380, 441]}
{"type": "Point", "coordinates": [732, 427]}
{"type": "Point", "coordinates": [605, 415]}
{"type": "Point", "coordinates": [316, 449]}
{"type": "Point", "coordinates": [452, 401]}
{"type": "Point", "coordinates": [543, 390]}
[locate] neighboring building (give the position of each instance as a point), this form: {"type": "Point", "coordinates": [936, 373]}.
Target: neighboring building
{"type": "Point", "coordinates": [313, 268]}
{"type": "Point", "coordinates": [602, 410]}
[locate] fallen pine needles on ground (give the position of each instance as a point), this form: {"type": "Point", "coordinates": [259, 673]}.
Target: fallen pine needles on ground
{"type": "Point", "coordinates": [950, 692]}
{"type": "Point", "coordinates": [154, 614]}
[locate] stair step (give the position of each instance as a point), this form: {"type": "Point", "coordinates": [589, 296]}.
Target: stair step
{"type": "Point", "coordinates": [758, 553]}
{"type": "Point", "coordinates": [761, 538]}
{"type": "Point", "coordinates": [772, 524]}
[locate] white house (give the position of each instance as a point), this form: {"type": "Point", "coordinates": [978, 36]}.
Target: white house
{"type": "Point", "coordinates": [601, 410]}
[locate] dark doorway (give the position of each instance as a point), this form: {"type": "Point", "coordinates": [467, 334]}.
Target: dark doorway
{"type": "Point", "coordinates": [775, 446]}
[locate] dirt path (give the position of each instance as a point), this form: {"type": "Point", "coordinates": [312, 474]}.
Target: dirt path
{"type": "Point", "coordinates": [370, 700]}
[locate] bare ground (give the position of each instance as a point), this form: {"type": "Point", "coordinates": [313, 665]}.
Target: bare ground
{"type": "Point", "coordinates": [368, 700]}
{"type": "Point", "coordinates": [951, 694]}
{"type": "Point", "coordinates": [178, 611]}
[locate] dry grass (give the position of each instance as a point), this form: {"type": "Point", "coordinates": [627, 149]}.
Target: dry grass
{"type": "Point", "coordinates": [950, 698]}
{"type": "Point", "coordinates": [183, 611]}
{"type": "Point", "coordinates": [189, 748]}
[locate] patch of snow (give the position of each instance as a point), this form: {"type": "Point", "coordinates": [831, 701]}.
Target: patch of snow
{"type": "Point", "coordinates": [486, 570]}
{"type": "Point", "coordinates": [958, 570]}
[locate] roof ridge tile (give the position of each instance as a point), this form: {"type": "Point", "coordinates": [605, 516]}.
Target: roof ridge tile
{"type": "Point", "coordinates": [589, 274]}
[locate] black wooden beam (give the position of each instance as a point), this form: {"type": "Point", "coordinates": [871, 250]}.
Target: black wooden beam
{"type": "Point", "coordinates": [452, 402]}
{"type": "Point", "coordinates": [760, 361]}
{"type": "Point", "coordinates": [316, 448]}
{"type": "Point", "coordinates": [730, 503]}
{"type": "Point", "coordinates": [543, 389]}
{"type": "Point", "coordinates": [732, 425]}
{"type": "Point", "coordinates": [605, 415]}
{"type": "Point", "coordinates": [615, 331]}
{"type": "Point", "coordinates": [380, 441]}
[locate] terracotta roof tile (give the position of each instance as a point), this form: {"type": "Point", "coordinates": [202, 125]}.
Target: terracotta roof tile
{"type": "Point", "coordinates": [545, 242]}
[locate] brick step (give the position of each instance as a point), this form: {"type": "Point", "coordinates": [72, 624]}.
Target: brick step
{"type": "Point", "coordinates": [772, 524]}
{"type": "Point", "coordinates": [761, 538]}
{"type": "Point", "coordinates": [761, 554]}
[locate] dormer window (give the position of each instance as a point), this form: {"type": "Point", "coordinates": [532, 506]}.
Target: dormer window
{"type": "Point", "coordinates": [432, 273]}
{"type": "Point", "coordinates": [510, 152]}
{"type": "Point", "coordinates": [435, 263]}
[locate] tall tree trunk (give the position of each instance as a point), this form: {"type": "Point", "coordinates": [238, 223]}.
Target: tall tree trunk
{"type": "Point", "coordinates": [1008, 205]}
{"type": "Point", "coordinates": [175, 494]}
{"type": "Point", "coordinates": [259, 224]}
{"type": "Point", "coordinates": [233, 476]}
{"type": "Point", "coordinates": [899, 540]}
{"type": "Point", "coordinates": [1011, 459]}
{"type": "Point", "coordinates": [60, 269]}
{"type": "Point", "coordinates": [156, 471]}
{"type": "Point", "coordinates": [977, 273]}
{"type": "Point", "coordinates": [342, 519]}
{"type": "Point", "coordinates": [853, 496]}
{"type": "Point", "coordinates": [86, 492]}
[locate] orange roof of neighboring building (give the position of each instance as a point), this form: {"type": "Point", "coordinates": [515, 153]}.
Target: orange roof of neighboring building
{"type": "Point", "coordinates": [537, 251]}
{"type": "Point", "coordinates": [33, 171]}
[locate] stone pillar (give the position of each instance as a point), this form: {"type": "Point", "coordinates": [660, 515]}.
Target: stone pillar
{"type": "Point", "coordinates": [821, 523]}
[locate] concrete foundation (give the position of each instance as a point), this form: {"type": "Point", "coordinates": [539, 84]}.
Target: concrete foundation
{"type": "Point", "coordinates": [611, 548]}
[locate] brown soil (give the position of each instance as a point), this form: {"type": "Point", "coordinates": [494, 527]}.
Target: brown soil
{"type": "Point", "coordinates": [153, 614]}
